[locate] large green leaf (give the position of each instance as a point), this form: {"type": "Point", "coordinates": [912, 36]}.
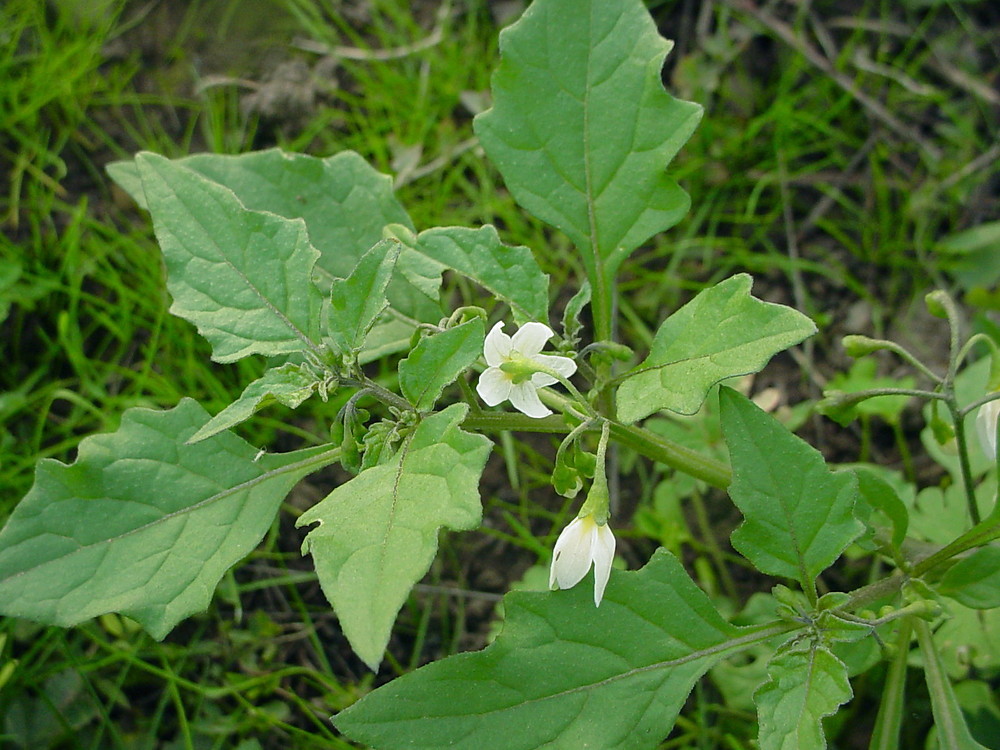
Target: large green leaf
{"type": "Point", "coordinates": [582, 130]}
{"type": "Point", "coordinates": [562, 673]}
{"type": "Point", "coordinates": [345, 203]}
{"type": "Point", "coordinates": [723, 332]}
{"type": "Point", "coordinates": [797, 514]}
{"type": "Point", "coordinates": [807, 684]}
{"type": "Point", "coordinates": [141, 523]}
{"type": "Point", "coordinates": [509, 272]}
{"type": "Point", "coordinates": [437, 360]}
{"type": "Point", "coordinates": [377, 534]}
{"type": "Point", "coordinates": [243, 277]}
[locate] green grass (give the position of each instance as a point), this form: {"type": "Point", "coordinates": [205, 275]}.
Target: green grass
{"type": "Point", "coordinates": [793, 178]}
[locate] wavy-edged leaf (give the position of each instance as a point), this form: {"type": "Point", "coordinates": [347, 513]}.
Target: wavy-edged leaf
{"type": "Point", "coordinates": [345, 203]}
{"type": "Point", "coordinates": [722, 333]}
{"type": "Point", "coordinates": [437, 360]}
{"type": "Point", "coordinates": [797, 514]}
{"type": "Point", "coordinates": [582, 129]}
{"type": "Point", "coordinates": [808, 683]}
{"type": "Point", "coordinates": [141, 523]}
{"type": "Point", "coordinates": [243, 277]}
{"type": "Point", "coordinates": [377, 534]}
{"type": "Point", "coordinates": [288, 384]}
{"type": "Point", "coordinates": [510, 272]}
{"type": "Point", "coordinates": [357, 301]}
{"type": "Point", "coordinates": [562, 673]}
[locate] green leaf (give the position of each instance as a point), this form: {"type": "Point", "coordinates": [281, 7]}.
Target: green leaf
{"type": "Point", "coordinates": [357, 301]}
{"type": "Point", "coordinates": [346, 205]}
{"type": "Point", "coordinates": [289, 385]}
{"type": "Point", "coordinates": [242, 277]}
{"type": "Point", "coordinates": [952, 731]}
{"type": "Point", "coordinates": [721, 333]}
{"type": "Point", "coordinates": [141, 523]}
{"type": "Point", "coordinates": [797, 514]}
{"type": "Point", "coordinates": [582, 130]}
{"type": "Point", "coordinates": [344, 202]}
{"type": "Point", "coordinates": [975, 580]}
{"type": "Point", "coordinates": [571, 323]}
{"type": "Point", "coordinates": [562, 673]}
{"type": "Point", "coordinates": [881, 501]}
{"type": "Point", "coordinates": [437, 360]}
{"type": "Point", "coordinates": [377, 534]}
{"type": "Point", "coordinates": [807, 683]}
{"type": "Point", "coordinates": [510, 273]}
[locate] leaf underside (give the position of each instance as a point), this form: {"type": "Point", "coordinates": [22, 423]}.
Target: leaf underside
{"type": "Point", "coordinates": [377, 533]}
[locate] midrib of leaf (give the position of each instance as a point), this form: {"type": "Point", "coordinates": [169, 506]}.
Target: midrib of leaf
{"type": "Point", "coordinates": [792, 531]}
{"type": "Point", "coordinates": [320, 459]}
{"type": "Point", "coordinates": [602, 308]}
{"type": "Point", "coordinates": [404, 451]}
{"type": "Point", "coordinates": [253, 288]}
{"type": "Point", "coordinates": [707, 355]}
{"type": "Point", "coordinates": [746, 641]}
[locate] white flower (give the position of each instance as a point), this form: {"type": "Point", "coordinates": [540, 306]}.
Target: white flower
{"type": "Point", "coordinates": [516, 369]}
{"type": "Point", "coordinates": [582, 542]}
{"type": "Point", "coordinates": [986, 427]}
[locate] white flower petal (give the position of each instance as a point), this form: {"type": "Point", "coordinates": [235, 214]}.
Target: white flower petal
{"type": "Point", "coordinates": [531, 337]}
{"type": "Point", "coordinates": [540, 380]}
{"type": "Point", "coordinates": [603, 552]}
{"type": "Point", "coordinates": [524, 398]}
{"type": "Point", "coordinates": [562, 365]}
{"type": "Point", "coordinates": [986, 427]}
{"type": "Point", "coordinates": [494, 386]}
{"type": "Point", "coordinates": [497, 346]}
{"type": "Point", "coordinates": [571, 556]}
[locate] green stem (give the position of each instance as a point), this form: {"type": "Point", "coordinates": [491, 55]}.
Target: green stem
{"type": "Point", "coordinates": [642, 441]}
{"type": "Point", "coordinates": [963, 458]}
{"type": "Point", "coordinates": [885, 735]}
{"type": "Point", "coordinates": [948, 719]}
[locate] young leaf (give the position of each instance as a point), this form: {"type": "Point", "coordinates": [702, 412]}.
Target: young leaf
{"type": "Point", "coordinates": [562, 673]}
{"type": "Point", "coordinates": [289, 385]}
{"type": "Point", "coordinates": [797, 514]}
{"type": "Point", "coordinates": [377, 534]}
{"type": "Point", "coordinates": [357, 301]}
{"type": "Point", "coordinates": [723, 332]}
{"type": "Point", "coordinates": [437, 360]}
{"type": "Point", "coordinates": [952, 731]}
{"type": "Point", "coordinates": [141, 523]}
{"type": "Point", "coordinates": [242, 277]}
{"type": "Point", "coordinates": [511, 273]}
{"type": "Point", "coordinates": [571, 324]}
{"type": "Point", "coordinates": [807, 683]}
{"type": "Point", "coordinates": [582, 130]}
{"type": "Point", "coordinates": [975, 580]}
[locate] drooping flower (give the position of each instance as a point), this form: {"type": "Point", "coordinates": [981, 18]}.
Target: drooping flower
{"type": "Point", "coordinates": [986, 427]}
{"type": "Point", "coordinates": [517, 370]}
{"type": "Point", "coordinates": [584, 542]}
